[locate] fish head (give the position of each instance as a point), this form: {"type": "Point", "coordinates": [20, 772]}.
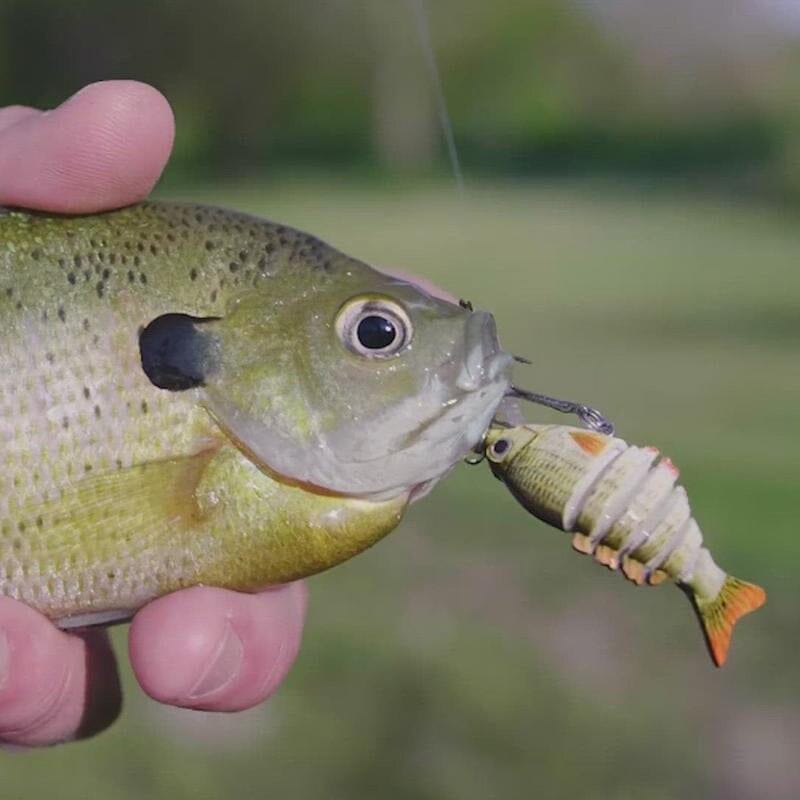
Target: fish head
{"type": "Point", "coordinates": [356, 382]}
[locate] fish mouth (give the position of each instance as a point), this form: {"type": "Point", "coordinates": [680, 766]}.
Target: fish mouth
{"type": "Point", "coordinates": [484, 360]}
{"type": "Point", "coordinates": [465, 410]}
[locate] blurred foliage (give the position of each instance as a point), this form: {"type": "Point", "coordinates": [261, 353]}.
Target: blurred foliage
{"type": "Point", "coordinates": [532, 87]}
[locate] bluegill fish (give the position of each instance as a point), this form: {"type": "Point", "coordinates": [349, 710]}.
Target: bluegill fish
{"type": "Point", "coordinates": [623, 506]}
{"type": "Point", "coordinates": [195, 396]}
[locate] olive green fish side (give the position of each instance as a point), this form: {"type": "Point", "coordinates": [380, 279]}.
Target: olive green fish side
{"type": "Point", "coordinates": [74, 296]}
{"type": "Point", "coordinates": [111, 543]}
{"type": "Point", "coordinates": [623, 507]}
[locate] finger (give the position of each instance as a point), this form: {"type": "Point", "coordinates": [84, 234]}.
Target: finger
{"type": "Point", "coordinates": [103, 148]}
{"type": "Point", "coordinates": [11, 115]}
{"type": "Point", "coordinates": [214, 649]}
{"type": "Point", "coordinates": [54, 686]}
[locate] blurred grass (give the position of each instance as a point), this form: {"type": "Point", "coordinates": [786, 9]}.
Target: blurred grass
{"type": "Point", "coordinates": [472, 654]}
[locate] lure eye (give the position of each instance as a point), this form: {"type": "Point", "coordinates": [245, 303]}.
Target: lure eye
{"type": "Point", "coordinates": [499, 449]}
{"type": "Point", "coordinates": [374, 327]}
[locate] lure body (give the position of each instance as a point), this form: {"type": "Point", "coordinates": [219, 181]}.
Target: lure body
{"type": "Point", "coordinates": [623, 506]}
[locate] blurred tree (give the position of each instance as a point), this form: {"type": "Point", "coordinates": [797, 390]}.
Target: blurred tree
{"type": "Point", "coordinates": [551, 85]}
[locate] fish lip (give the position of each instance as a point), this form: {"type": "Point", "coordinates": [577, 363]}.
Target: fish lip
{"type": "Point", "coordinates": [484, 359]}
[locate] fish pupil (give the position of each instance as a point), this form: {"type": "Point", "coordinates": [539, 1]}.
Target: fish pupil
{"type": "Point", "coordinates": [376, 333]}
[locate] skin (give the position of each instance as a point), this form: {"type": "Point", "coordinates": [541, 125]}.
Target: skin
{"type": "Point", "coordinates": [201, 648]}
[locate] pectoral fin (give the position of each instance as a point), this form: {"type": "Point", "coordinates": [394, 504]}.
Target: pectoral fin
{"type": "Point", "coordinates": [116, 514]}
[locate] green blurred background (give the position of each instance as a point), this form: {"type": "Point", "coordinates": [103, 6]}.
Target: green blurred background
{"type": "Point", "coordinates": [631, 215]}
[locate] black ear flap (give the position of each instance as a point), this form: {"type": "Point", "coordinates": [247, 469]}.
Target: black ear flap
{"type": "Point", "coordinates": [175, 351]}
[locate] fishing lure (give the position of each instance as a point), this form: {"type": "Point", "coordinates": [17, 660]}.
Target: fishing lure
{"type": "Point", "coordinates": [623, 506]}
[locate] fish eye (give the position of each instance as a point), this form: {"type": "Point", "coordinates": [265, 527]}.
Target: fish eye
{"type": "Point", "coordinates": [374, 327]}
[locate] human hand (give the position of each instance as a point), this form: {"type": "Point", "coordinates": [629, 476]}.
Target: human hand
{"type": "Point", "coordinates": [203, 648]}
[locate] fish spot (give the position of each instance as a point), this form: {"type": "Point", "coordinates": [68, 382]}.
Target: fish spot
{"type": "Point", "coordinates": [175, 352]}
{"type": "Point", "coordinates": [143, 277]}
{"type": "Point", "coordinates": [86, 393]}
{"type": "Point", "coordinates": [71, 278]}
{"type": "Point", "coordinates": [97, 412]}
{"type": "Point", "coordinates": [234, 266]}
{"type": "Point", "coordinates": [106, 274]}
{"type": "Point", "coordinates": [100, 288]}
{"type": "Point", "coordinates": [36, 254]}
{"type": "Point", "coordinates": [144, 407]}
{"type": "Point", "coordinates": [193, 274]}
{"type": "Point", "coordinates": [62, 315]}
{"type": "Point", "coordinates": [131, 276]}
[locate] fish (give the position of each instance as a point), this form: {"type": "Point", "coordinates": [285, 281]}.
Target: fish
{"type": "Point", "coordinates": [624, 507]}
{"type": "Point", "coordinates": [194, 396]}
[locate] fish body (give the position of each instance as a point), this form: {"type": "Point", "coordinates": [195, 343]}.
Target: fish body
{"type": "Point", "coordinates": [190, 395]}
{"type": "Point", "coordinates": [623, 505]}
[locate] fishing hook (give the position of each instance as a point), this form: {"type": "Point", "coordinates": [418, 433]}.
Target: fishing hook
{"type": "Point", "coordinates": [590, 417]}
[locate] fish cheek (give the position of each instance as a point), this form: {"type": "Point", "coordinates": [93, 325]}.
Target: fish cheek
{"type": "Point", "coordinates": [177, 353]}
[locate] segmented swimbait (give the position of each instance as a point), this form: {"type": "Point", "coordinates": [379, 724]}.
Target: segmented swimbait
{"type": "Point", "coordinates": [623, 506]}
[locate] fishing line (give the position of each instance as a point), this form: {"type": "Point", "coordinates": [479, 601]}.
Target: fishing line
{"type": "Point", "coordinates": [424, 31]}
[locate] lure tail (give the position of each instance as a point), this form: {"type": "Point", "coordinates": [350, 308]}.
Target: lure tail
{"type": "Point", "coordinates": [718, 616]}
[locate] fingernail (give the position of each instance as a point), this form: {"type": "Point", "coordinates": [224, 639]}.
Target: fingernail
{"type": "Point", "coordinates": [5, 658]}
{"type": "Point", "coordinates": [223, 668]}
